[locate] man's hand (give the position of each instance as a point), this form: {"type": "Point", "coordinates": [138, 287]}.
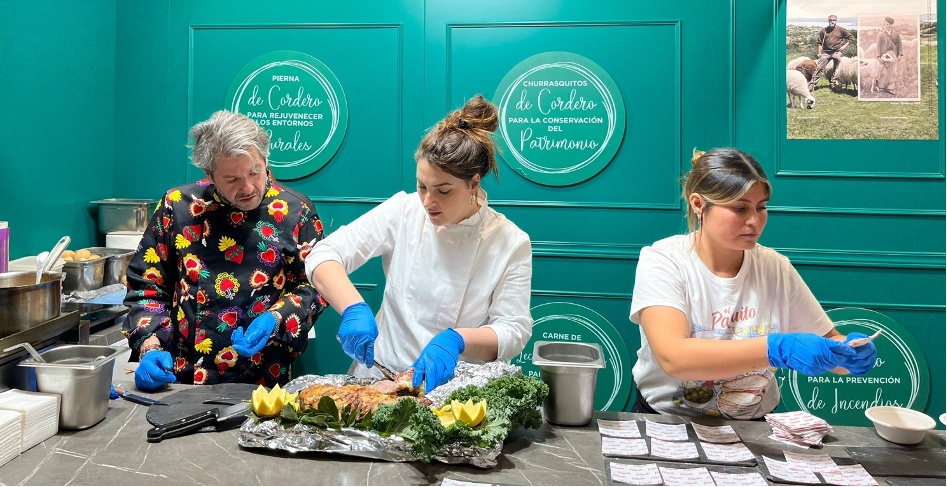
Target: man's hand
{"type": "Point", "coordinates": [257, 334]}
{"type": "Point", "coordinates": [358, 332]}
{"type": "Point", "coordinates": [154, 371]}
{"type": "Point", "coordinates": [436, 364]}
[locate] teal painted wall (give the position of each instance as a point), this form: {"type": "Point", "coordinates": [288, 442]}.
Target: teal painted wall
{"type": "Point", "coordinates": [857, 239]}
{"type": "Point", "coordinates": [57, 79]}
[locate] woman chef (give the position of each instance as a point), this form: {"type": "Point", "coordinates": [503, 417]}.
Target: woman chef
{"type": "Point", "coordinates": [458, 273]}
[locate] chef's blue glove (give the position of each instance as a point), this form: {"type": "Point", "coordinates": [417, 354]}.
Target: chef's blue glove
{"type": "Point", "coordinates": [807, 353]}
{"type": "Point", "coordinates": [438, 359]}
{"type": "Point", "coordinates": [358, 332]}
{"type": "Point", "coordinates": [864, 359]}
{"type": "Point", "coordinates": [257, 334]}
{"type": "Point", "coordinates": [113, 394]}
{"type": "Point", "coordinates": [154, 371]}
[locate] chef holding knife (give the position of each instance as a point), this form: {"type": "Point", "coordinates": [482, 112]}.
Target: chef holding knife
{"type": "Point", "coordinates": [458, 273]}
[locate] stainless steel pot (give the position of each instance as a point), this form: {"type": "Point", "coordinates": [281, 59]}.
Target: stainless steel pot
{"type": "Point", "coordinates": [24, 304]}
{"type": "Point", "coordinates": [570, 369]}
{"type": "Point", "coordinates": [81, 375]}
{"type": "Point", "coordinates": [116, 263]}
{"type": "Point", "coordinates": [85, 275]}
{"type": "Point", "coordinates": [120, 214]}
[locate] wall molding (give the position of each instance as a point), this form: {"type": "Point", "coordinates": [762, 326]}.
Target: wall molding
{"type": "Point", "coordinates": [587, 204]}
{"type": "Point", "coordinates": [579, 294]}
{"type": "Point", "coordinates": [890, 306]}
{"type": "Point", "coordinates": [896, 212]}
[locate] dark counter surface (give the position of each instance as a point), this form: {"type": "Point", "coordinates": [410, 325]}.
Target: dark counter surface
{"type": "Point", "coordinates": [115, 452]}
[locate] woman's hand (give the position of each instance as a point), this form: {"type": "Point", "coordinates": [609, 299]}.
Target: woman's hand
{"type": "Point", "coordinates": [864, 359]}
{"type": "Point", "coordinates": [807, 353]}
{"type": "Point", "coordinates": [358, 332]}
{"type": "Point", "coordinates": [436, 364]}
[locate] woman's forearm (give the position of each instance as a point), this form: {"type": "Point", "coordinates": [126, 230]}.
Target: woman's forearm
{"type": "Point", "coordinates": [331, 281]}
{"type": "Point", "coordinates": [480, 343]}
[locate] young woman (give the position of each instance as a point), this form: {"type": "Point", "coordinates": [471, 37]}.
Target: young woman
{"type": "Point", "coordinates": [717, 310]}
{"type": "Point", "coordinates": [458, 273]}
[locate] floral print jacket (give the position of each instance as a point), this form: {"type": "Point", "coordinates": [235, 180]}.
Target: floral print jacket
{"type": "Point", "coordinates": [205, 267]}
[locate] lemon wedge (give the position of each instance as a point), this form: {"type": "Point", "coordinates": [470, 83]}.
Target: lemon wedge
{"type": "Point", "coordinates": [270, 403]}
{"type": "Point", "coordinates": [444, 415]}
{"type": "Point", "coordinates": [473, 414]}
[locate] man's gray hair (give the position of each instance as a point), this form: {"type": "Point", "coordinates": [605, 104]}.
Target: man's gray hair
{"type": "Point", "coordinates": [226, 134]}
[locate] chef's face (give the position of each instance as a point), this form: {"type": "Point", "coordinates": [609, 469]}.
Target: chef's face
{"type": "Point", "coordinates": [447, 199]}
{"type": "Point", "coordinates": [737, 225]}
{"type": "Point", "coordinates": [241, 179]}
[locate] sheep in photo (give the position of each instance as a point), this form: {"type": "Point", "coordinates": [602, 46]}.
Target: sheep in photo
{"type": "Point", "coordinates": [807, 68]}
{"type": "Point", "coordinates": [871, 52]}
{"type": "Point", "coordinates": [847, 73]}
{"type": "Point", "coordinates": [795, 62]}
{"type": "Point", "coordinates": [797, 86]}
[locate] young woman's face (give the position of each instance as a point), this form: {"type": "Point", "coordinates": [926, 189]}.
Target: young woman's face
{"type": "Point", "coordinates": [738, 225]}
{"type": "Point", "coordinates": [241, 180]}
{"type": "Point", "coordinates": [446, 198]}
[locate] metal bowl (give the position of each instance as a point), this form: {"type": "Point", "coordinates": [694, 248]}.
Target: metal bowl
{"type": "Point", "coordinates": [120, 214]}
{"type": "Point", "coordinates": [83, 275]}
{"type": "Point", "coordinates": [116, 263]}
{"type": "Point", "coordinates": [24, 304]}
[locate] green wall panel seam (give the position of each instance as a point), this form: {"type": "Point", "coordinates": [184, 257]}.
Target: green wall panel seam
{"type": "Point", "coordinates": [580, 294]}
{"type": "Point", "coordinates": [853, 174]}
{"type": "Point", "coordinates": [896, 212]}
{"type": "Point", "coordinates": [892, 306]}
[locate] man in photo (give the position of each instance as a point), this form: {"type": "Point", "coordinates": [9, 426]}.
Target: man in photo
{"type": "Point", "coordinates": [889, 53]}
{"type": "Point", "coordinates": [833, 39]}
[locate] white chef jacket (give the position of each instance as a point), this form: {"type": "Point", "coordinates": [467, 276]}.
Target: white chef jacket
{"type": "Point", "coordinates": [466, 275]}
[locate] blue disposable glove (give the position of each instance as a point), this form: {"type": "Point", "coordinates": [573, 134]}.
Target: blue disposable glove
{"type": "Point", "coordinates": [358, 332]}
{"type": "Point", "coordinates": [807, 353]}
{"type": "Point", "coordinates": [438, 359]}
{"type": "Point", "coordinates": [113, 394]}
{"type": "Point", "coordinates": [154, 371]}
{"type": "Point", "coordinates": [864, 359]}
{"type": "Point", "coordinates": [257, 334]}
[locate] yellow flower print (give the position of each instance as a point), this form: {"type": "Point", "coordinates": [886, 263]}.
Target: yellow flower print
{"type": "Point", "coordinates": [175, 195]}
{"type": "Point", "coordinates": [272, 192]}
{"type": "Point", "coordinates": [180, 313]}
{"type": "Point", "coordinates": [151, 256]}
{"type": "Point", "coordinates": [204, 346]}
{"type": "Point", "coordinates": [226, 243]}
{"type": "Point", "coordinates": [181, 242]}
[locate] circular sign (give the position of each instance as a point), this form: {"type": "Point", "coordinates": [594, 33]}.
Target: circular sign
{"type": "Point", "coordinates": [900, 376]}
{"type": "Point", "coordinates": [299, 102]}
{"type": "Point", "coordinates": [569, 322]}
{"type": "Point", "coordinates": [562, 118]}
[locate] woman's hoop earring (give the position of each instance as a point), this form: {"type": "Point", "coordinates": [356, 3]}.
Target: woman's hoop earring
{"type": "Point", "coordinates": [700, 220]}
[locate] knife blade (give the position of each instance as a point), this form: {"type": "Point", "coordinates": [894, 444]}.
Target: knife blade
{"type": "Point", "coordinates": [191, 423]}
{"type": "Point", "coordinates": [135, 398]}
{"type": "Point", "coordinates": [385, 371]}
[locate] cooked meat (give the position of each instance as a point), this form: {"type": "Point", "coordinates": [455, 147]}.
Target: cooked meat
{"type": "Point", "coordinates": [364, 398]}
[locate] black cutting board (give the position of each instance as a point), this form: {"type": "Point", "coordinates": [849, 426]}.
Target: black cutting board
{"type": "Point", "coordinates": [900, 462]}
{"type": "Point", "coordinates": [189, 402]}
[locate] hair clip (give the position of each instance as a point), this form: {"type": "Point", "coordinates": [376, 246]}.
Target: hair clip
{"type": "Point", "coordinates": [463, 124]}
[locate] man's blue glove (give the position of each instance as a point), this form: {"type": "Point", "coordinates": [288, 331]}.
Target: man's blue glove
{"type": "Point", "coordinates": [864, 359]}
{"type": "Point", "coordinates": [807, 353]}
{"type": "Point", "coordinates": [257, 334]}
{"type": "Point", "coordinates": [358, 332]}
{"type": "Point", "coordinates": [154, 371]}
{"type": "Point", "coordinates": [113, 394]}
{"type": "Point", "coordinates": [438, 359]}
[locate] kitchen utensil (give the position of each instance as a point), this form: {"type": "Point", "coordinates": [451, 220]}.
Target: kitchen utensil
{"type": "Point", "coordinates": [45, 260]}
{"type": "Point", "coordinates": [385, 371]}
{"type": "Point", "coordinates": [27, 304]}
{"type": "Point", "coordinates": [188, 402]}
{"type": "Point", "coordinates": [76, 373]}
{"type": "Point", "coordinates": [84, 275]}
{"type": "Point", "coordinates": [900, 425]}
{"type": "Point", "coordinates": [29, 348]}
{"type": "Point", "coordinates": [570, 369]}
{"type": "Point", "coordinates": [192, 423]}
{"type": "Point", "coordinates": [120, 214]}
{"type": "Point", "coordinates": [135, 398]}
{"type": "Point", "coordinates": [116, 263]}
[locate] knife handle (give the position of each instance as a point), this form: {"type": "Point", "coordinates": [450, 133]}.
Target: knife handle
{"type": "Point", "coordinates": [181, 426]}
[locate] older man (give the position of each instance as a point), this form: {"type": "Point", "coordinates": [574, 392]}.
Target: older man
{"type": "Point", "coordinates": [833, 39]}
{"type": "Point", "coordinates": [218, 289]}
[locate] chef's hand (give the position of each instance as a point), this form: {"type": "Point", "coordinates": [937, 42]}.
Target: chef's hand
{"type": "Point", "coordinates": [358, 332]}
{"type": "Point", "coordinates": [257, 334]}
{"type": "Point", "coordinates": [864, 359]}
{"type": "Point", "coordinates": [438, 359]}
{"type": "Point", "coordinates": [154, 371]}
{"type": "Point", "coordinates": [807, 353]}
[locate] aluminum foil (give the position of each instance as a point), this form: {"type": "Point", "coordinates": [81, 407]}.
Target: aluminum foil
{"type": "Point", "coordinates": [272, 435]}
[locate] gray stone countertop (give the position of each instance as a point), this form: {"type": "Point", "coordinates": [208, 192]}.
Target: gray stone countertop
{"type": "Point", "coordinates": [115, 452]}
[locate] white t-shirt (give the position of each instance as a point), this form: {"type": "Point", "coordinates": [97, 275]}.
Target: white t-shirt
{"type": "Point", "coordinates": [766, 296]}
{"type": "Point", "coordinates": [474, 273]}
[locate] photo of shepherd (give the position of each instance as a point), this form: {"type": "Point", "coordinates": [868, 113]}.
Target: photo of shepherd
{"type": "Point", "coordinates": [861, 70]}
{"type": "Point", "coordinates": [889, 58]}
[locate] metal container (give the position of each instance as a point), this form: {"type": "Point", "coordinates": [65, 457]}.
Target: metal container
{"type": "Point", "coordinates": [81, 374]}
{"type": "Point", "coordinates": [119, 214]}
{"type": "Point", "coordinates": [24, 304]}
{"type": "Point", "coordinates": [83, 275]}
{"type": "Point", "coordinates": [570, 369]}
{"type": "Point", "coordinates": [116, 263]}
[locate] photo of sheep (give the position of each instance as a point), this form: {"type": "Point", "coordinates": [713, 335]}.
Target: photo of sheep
{"type": "Point", "coordinates": [838, 86]}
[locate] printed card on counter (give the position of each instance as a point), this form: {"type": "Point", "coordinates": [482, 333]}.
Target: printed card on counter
{"type": "Point", "coordinates": [619, 429]}
{"type": "Point", "coordinates": [675, 450]}
{"type": "Point", "coordinates": [788, 472]}
{"type": "Point", "coordinates": [686, 476]}
{"type": "Point", "coordinates": [624, 447]}
{"type": "Point", "coordinates": [716, 434]}
{"type": "Point", "coordinates": [722, 478]}
{"type": "Point", "coordinates": [646, 474]}
{"type": "Point", "coordinates": [849, 475]}
{"type": "Point", "coordinates": [727, 453]}
{"type": "Point", "coordinates": [815, 463]}
{"type": "Point", "coordinates": [666, 432]}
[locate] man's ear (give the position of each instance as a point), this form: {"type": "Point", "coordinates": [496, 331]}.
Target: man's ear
{"type": "Point", "coordinates": [209, 175]}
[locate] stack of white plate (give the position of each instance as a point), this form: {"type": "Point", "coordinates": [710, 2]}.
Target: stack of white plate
{"type": "Point", "coordinates": [40, 414]}
{"type": "Point", "coordinates": [11, 435]}
{"type": "Point", "coordinates": [123, 240]}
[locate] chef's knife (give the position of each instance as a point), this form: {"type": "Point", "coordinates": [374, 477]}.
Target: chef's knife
{"type": "Point", "coordinates": [195, 422]}
{"type": "Point", "coordinates": [385, 371]}
{"type": "Point", "coordinates": [135, 398]}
